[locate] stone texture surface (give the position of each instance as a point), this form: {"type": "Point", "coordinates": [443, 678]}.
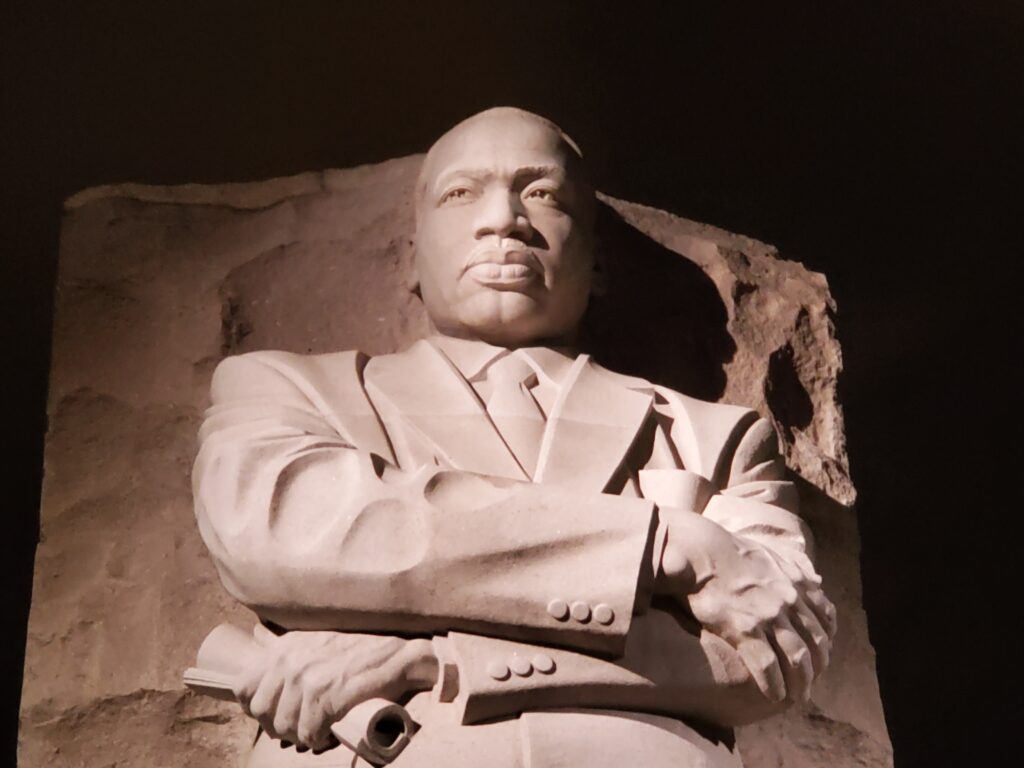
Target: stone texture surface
{"type": "Point", "coordinates": [157, 284]}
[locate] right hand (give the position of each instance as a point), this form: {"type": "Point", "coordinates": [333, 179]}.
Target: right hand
{"type": "Point", "coordinates": [303, 682]}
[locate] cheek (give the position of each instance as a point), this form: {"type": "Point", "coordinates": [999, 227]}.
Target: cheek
{"type": "Point", "coordinates": [431, 241]}
{"type": "Point", "coordinates": [438, 255]}
{"type": "Point", "coordinates": [570, 253]}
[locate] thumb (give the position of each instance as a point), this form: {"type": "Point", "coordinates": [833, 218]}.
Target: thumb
{"type": "Point", "coordinates": [262, 635]}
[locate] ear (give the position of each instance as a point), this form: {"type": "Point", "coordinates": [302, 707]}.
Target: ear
{"type": "Point", "coordinates": [407, 260]}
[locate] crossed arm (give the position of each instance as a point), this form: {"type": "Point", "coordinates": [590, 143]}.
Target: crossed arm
{"type": "Point", "coordinates": [314, 534]}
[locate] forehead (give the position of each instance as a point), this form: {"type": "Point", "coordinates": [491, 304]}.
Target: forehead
{"type": "Point", "coordinates": [497, 145]}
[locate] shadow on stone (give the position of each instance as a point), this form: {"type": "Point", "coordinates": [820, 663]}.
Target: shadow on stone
{"type": "Point", "coordinates": [661, 318]}
{"type": "Point", "coordinates": [786, 395]}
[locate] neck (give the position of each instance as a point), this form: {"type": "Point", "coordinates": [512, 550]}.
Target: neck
{"type": "Point", "coordinates": [565, 342]}
{"type": "Point", "coordinates": [561, 344]}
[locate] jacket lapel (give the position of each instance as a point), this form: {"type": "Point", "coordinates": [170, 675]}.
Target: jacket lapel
{"type": "Point", "coordinates": [435, 401]}
{"type": "Point", "coordinates": [590, 429]}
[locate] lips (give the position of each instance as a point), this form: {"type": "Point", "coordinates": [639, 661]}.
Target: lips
{"type": "Point", "coordinates": [504, 270]}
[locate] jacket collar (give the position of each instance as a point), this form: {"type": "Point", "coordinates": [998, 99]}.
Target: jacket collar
{"type": "Point", "coordinates": [473, 358]}
{"type": "Point", "coordinates": [588, 434]}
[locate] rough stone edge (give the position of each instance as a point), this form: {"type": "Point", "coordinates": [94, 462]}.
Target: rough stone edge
{"type": "Point", "coordinates": [717, 235]}
{"type": "Point", "coordinates": [243, 195]}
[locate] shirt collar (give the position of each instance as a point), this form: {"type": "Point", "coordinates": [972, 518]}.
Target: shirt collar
{"type": "Point", "coordinates": [472, 357]}
{"type": "Point", "coordinates": [550, 364]}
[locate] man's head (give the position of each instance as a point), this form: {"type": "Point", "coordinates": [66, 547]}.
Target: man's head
{"type": "Point", "coordinates": [504, 230]}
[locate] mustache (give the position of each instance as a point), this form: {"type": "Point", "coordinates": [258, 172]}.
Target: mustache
{"type": "Point", "coordinates": [504, 251]}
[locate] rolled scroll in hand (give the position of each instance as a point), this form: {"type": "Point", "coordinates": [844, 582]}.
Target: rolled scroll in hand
{"type": "Point", "coordinates": [377, 730]}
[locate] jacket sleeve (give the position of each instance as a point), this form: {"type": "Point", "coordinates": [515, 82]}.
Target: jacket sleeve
{"type": "Point", "coordinates": [733, 476]}
{"type": "Point", "coordinates": [313, 531]}
{"type": "Point", "coordinates": [669, 665]}
{"type": "Point", "coordinates": [757, 502]}
{"type": "Point", "coordinates": [666, 669]}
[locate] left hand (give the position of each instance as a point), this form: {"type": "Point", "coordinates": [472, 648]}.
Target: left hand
{"type": "Point", "coordinates": [306, 681]}
{"type": "Point", "coordinates": [768, 605]}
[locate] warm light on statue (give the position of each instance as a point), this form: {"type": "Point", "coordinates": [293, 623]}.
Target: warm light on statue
{"type": "Point", "coordinates": [538, 556]}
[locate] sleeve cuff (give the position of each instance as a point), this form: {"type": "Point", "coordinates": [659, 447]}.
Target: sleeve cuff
{"type": "Point", "coordinates": [447, 686]}
{"type": "Point", "coordinates": [649, 575]}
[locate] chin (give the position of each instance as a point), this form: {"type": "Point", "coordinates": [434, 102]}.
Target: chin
{"type": "Point", "coordinates": [501, 317]}
{"type": "Point", "coordinates": [508, 319]}
{"type": "Point", "coordinates": [513, 332]}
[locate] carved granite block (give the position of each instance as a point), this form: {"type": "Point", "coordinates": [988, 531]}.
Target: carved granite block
{"type": "Point", "coordinates": [157, 285]}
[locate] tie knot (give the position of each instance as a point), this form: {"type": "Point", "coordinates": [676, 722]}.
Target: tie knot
{"type": "Point", "coordinates": [510, 370]}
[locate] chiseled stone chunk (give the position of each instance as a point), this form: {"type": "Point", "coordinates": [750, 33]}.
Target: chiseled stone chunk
{"type": "Point", "coordinates": [158, 284]}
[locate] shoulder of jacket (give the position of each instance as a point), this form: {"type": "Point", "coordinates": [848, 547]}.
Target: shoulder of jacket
{"type": "Point", "coordinates": [706, 434]}
{"type": "Point", "coordinates": [622, 379]}
{"type": "Point", "coordinates": [272, 372]}
{"type": "Point", "coordinates": [704, 409]}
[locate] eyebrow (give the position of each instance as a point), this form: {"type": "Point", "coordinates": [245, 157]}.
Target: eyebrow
{"type": "Point", "coordinates": [483, 174]}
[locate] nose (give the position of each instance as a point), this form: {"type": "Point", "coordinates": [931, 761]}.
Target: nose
{"type": "Point", "coordinates": [502, 214]}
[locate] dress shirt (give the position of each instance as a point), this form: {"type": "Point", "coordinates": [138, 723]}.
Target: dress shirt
{"type": "Point", "coordinates": [473, 358]}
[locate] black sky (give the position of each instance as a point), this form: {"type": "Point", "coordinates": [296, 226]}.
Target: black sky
{"type": "Point", "coordinates": [877, 143]}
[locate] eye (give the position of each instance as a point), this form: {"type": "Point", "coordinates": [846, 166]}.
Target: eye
{"type": "Point", "coordinates": [543, 194]}
{"type": "Point", "coordinates": [455, 194]}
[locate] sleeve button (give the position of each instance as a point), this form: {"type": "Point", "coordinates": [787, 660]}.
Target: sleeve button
{"type": "Point", "coordinates": [520, 666]}
{"type": "Point", "coordinates": [558, 609]}
{"type": "Point", "coordinates": [581, 611]}
{"type": "Point", "coordinates": [497, 670]}
{"type": "Point", "coordinates": [603, 614]}
{"type": "Point", "coordinates": [543, 663]}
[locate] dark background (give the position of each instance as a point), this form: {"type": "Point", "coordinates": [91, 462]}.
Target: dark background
{"type": "Point", "coordinates": [878, 143]}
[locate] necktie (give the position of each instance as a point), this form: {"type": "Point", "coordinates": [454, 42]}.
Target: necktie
{"type": "Point", "coordinates": [513, 410]}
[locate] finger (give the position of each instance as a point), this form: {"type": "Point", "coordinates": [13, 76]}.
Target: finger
{"type": "Point", "coordinates": [801, 572]}
{"type": "Point", "coordinates": [264, 701]}
{"type": "Point", "coordinates": [785, 563]}
{"type": "Point", "coordinates": [332, 742]}
{"type": "Point", "coordinates": [806, 623]}
{"type": "Point", "coordinates": [807, 570]}
{"type": "Point", "coordinates": [760, 658]}
{"type": "Point", "coordinates": [794, 657]}
{"type": "Point", "coordinates": [797, 567]}
{"type": "Point", "coordinates": [823, 609]}
{"type": "Point", "coordinates": [314, 725]}
{"type": "Point", "coordinates": [286, 713]}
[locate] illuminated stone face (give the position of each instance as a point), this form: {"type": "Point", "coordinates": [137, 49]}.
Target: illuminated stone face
{"type": "Point", "coordinates": [504, 231]}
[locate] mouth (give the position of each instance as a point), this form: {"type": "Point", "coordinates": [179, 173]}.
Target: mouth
{"type": "Point", "coordinates": [505, 269]}
{"type": "Point", "coordinates": [502, 276]}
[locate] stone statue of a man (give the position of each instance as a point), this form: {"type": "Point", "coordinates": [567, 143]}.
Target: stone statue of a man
{"type": "Point", "coordinates": [549, 563]}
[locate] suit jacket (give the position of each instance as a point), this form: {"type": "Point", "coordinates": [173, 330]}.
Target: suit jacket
{"type": "Point", "coordinates": [342, 492]}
